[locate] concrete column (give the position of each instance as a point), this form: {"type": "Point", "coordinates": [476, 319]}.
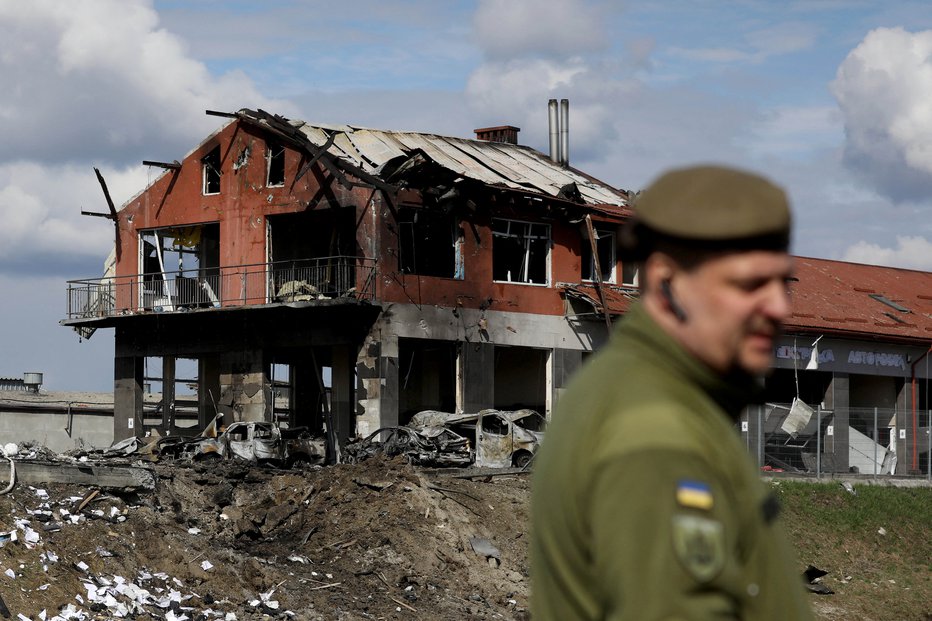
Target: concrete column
{"type": "Point", "coordinates": [344, 377]}
{"type": "Point", "coordinates": [753, 419]}
{"type": "Point", "coordinates": [904, 422]}
{"type": "Point", "coordinates": [836, 446]}
{"type": "Point", "coordinates": [208, 389]}
{"type": "Point", "coordinates": [475, 377]}
{"type": "Point", "coordinates": [563, 364]}
{"type": "Point", "coordinates": [306, 396]}
{"type": "Point", "coordinates": [168, 393]}
{"type": "Point", "coordinates": [127, 397]}
{"type": "Point", "coordinates": [377, 393]}
{"type": "Point", "coordinates": [244, 387]}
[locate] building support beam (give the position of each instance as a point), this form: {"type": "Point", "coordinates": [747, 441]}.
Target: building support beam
{"type": "Point", "coordinates": [127, 397]}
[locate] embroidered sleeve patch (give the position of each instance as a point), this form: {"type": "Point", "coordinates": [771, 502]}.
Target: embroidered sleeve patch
{"type": "Point", "coordinates": [694, 494]}
{"type": "Point", "coordinates": [699, 544]}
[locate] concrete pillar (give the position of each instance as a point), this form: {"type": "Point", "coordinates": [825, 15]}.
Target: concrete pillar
{"type": "Point", "coordinates": [377, 394]}
{"type": "Point", "coordinates": [208, 389]}
{"type": "Point", "coordinates": [563, 364]}
{"type": "Point", "coordinates": [244, 387]}
{"type": "Point", "coordinates": [907, 461]}
{"type": "Point", "coordinates": [305, 407]}
{"type": "Point", "coordinates": [127, 397]}
{"type": "Point", "coordinates": [752, 424]}
{"type": "Point", "coordinates": [475, 377]}
{"type": "Point", "coordinates": [835, 447]}
{"type": "Point", "coordinates": [168, 393]}
{"type": "Point", "coordinates": [344, 379]}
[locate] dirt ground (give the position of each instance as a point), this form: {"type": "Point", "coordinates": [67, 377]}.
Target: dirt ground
{"type": "Point", "coordinates": [377, 540]}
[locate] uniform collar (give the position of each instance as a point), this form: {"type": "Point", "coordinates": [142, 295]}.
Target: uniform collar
{"type": "Point", "coordinates": [732, 392]}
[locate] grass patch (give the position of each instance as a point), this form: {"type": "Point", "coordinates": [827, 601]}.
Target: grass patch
{"type": "Point", "coordinates": [875, 544]}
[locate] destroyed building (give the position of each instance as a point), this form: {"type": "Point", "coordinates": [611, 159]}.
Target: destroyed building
{"type": "Point", "coordinates": [290, 272]}
{"type": "Point", "coordinates": [295, 271]}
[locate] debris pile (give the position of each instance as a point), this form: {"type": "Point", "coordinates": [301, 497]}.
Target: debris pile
{"type": "Point", "coordinates": [234, 541]}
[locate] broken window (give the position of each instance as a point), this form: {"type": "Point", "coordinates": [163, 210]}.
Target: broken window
{"type": "Point", "coordinates": [211, 171]}
{"type": "Point", "coordinates": [173, 384]}
{"type": "Point", "coordinates": [629, 274]}
{"type": "Point", "coordinates": [430, 243]}
{"type": "Point", "coordinates": [520, 251]}
{"type": "Point", "coordinates": [275, 156]}
{"type": "Point", "coordinates": [180, 267]}
{"type": "Point", "coordinates": [605, 249]}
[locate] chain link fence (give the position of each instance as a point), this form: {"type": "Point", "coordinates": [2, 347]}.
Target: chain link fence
{"type": "Point", "coordinates": [870, 442]}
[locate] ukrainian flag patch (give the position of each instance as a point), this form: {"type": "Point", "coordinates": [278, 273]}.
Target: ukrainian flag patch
{"type": "Point", "coordinates": [694, 494]}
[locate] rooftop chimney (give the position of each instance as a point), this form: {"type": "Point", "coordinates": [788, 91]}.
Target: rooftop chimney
{"type": "Point", "coordinates": [502, 133]}
{"type": "Point", "coordinates": [559, 120]}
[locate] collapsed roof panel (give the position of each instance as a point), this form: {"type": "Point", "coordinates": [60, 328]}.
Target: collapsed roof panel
{"type": "Point", "coordinates": [492, 163]}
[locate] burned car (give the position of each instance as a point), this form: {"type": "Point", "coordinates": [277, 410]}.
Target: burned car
{"type": "Point", "coordinates": [502, 438]}
{"type": "Point", "coordinates": [257, 442]}
{"type": "Point", "coordinates": [429, 446]}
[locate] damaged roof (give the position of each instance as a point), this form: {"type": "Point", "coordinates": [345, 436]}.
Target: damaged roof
{"type": "Point", "coordinates": [383, 152]}
{"type": "Point", "coordinates": [861, 300]}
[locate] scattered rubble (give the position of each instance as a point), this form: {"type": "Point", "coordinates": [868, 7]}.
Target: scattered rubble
{"type": "Point", "coordinates": [229, 540]}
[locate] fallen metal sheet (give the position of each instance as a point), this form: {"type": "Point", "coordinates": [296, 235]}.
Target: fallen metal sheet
{"type": "Point", "coordinates": [99, 475]}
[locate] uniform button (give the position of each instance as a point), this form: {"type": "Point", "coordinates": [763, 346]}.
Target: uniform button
{"type": "Point", "coordinates": [753, 590]}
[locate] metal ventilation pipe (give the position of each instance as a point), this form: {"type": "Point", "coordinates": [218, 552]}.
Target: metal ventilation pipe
{"type": "Point", "coordinates": [564, 132]}
{"type": "Point", "coordinates": [554, 131]}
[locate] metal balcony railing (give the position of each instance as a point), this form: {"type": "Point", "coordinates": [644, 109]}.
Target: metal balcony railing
{"type": "Point", "coordinates": [305, 280]}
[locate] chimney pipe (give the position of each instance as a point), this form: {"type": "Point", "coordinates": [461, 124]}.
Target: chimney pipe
{"type": "Point", "coordinates": [564, 132]}
{"type": "Point", "coordinates": [554, 131]}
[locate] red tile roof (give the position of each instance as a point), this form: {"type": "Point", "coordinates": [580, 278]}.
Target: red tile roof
{"type": "Point", "coordinates": [831, 297]}
{"type": "Point", "coordinates": [848, 298]}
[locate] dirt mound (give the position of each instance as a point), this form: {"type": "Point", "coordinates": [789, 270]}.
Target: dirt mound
{"type": "Point", "coordinates": [377, 540]}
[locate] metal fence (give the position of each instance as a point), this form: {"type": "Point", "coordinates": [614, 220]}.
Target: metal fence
{"type": "Point", "coordinates": [325, 278]}
{"type": "Point", "coordinates": [871, 442]}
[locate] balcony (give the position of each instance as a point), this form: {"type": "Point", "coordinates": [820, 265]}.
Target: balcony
{"type": "Point", "coordinates": [283, 282]}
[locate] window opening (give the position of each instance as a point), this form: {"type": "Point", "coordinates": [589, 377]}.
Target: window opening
{"type": "Point", "coordinates": [520, 251]}
{"type": "Point", "coordinates": [629, 274]}
{"type": "Point", "coordinates": [180, 267]}
{"type": "Point", "coordinates": [275, 156]}
{"type": "Point", "coordinates": [170, 386]}
{"type": "Point", "coordinates": [211, 168]}
{"type": "Point", "coordinates": [429, 243]}
{"type": "Point", "coordinates": [605, 247]}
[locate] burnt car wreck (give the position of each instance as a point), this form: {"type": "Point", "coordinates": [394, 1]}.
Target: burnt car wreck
{"type": "Point", "coordinates": [487, 439]}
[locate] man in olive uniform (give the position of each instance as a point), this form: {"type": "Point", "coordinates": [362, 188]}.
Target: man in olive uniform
{"type": "Point", "coordinates": [646, 504]}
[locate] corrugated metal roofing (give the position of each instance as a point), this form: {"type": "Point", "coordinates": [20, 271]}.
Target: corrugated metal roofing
{"type": "Point", "coordinates": [493, 163]}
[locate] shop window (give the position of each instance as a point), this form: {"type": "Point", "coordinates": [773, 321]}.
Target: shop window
{"type": "Point", "coordinates": [275, 157]}
{"type": "Point", "coordinates": [211, 172]}
{"type": "Point", "coordinates": [430, 243]}
{"type": "Point", "coordinates": [520, 252]}
{"type": "Point", "coordinates": [605, 249]}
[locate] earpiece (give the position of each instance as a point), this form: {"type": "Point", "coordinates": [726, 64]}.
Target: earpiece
{"type": "Point", "coordinates": [675, 308]}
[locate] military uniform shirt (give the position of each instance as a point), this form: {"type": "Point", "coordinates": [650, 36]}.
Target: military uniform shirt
{"type": "Point", "coordinates": [645, 503]}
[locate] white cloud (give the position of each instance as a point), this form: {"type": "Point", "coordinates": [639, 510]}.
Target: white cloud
{"type": "Point", "coordinates": [40, 207]}
{"type": "Point", "coordinates": [508, 29]}
{"type": "Point", "coordinates": [910, 252]}
{"type": "Point", "coordinates": [92, 81]}
{"type": "Point", "coordinates": [101, 77]}
{"type": "Point", "coordinates": [883, 88]}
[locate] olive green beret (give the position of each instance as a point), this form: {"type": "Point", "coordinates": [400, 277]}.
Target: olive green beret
{"type": "Point", "coordinates": [711, 207]}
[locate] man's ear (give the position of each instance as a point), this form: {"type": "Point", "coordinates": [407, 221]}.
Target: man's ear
{"type": "Point", "coordinates": [658, 268]}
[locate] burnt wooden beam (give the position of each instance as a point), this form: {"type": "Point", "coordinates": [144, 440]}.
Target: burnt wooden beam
{"type": "Point", "coordinates": [228, 115]}
{"type": "Point", "coordinates": [109, 216]}
{"type": "Point", "coordinates": [175, 165]}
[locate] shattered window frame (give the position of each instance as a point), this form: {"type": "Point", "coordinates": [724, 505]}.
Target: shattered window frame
{"type": "Point", "coordinates": [210, 172]}
{"type": "Point", "coordinates": [527, 242]}
{"type": "Point", "coordinates": [605, 247]}
{"type": "Point", "coordinates": [274, 164]}
{"type": "Point", "coordinates": [423, 228]}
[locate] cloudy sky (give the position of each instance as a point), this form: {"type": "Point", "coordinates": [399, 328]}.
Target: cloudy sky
{"type": "Point", "coordinates": [831, 98]}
